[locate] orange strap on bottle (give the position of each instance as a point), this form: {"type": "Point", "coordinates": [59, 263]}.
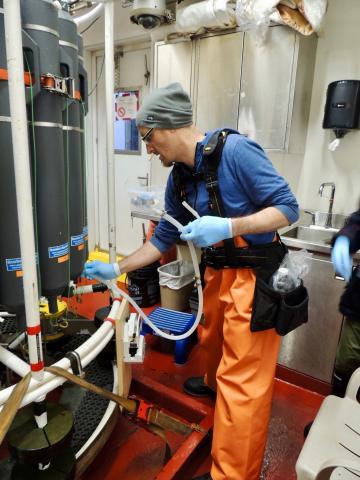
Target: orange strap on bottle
{"type": "Point", "coordinates": [28, 78]}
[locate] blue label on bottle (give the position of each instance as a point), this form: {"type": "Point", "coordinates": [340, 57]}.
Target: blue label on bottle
{"type": "Point", "coordinates": [13, 264]}
{"type": "Point", "coordinates": [58, 251]}
{"type": "Point", "coordinates": [77, 240]}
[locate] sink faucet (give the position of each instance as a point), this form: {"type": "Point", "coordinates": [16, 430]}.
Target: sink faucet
{"type": "Point", "coordinates": [331, 200]}
{"type": "Point", "coordinates": [313, 222]}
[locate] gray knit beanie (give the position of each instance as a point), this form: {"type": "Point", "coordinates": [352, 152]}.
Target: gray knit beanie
{"type": "Point", "coordinates": [167, 107]}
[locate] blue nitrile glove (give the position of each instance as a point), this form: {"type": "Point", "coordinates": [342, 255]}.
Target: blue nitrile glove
{"type": "Point", "coordinates": [207, 230]}
{"type": "Point", "coordinates": [101, 270]}
{"type": "Point", "coordinates": [341, 258]}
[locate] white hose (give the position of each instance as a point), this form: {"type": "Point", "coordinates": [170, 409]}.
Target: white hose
{"type": "Point", "coordinates": [87, 352]}
{"type": "Point", "coordinates": [89, 15]}
{"type": "Point", "coordinates": [191, 210]}
{"type": "Point", "coordinates": [147, 320]}
{"type": "Point", "coordinates": [116, 291]}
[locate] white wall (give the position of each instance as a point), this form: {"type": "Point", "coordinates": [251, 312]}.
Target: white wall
{"type": "Point", "coordinates": [338, 58]}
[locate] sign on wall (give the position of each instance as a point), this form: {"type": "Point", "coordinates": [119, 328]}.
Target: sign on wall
{"type": "Point", "coordinates": [126, 135]}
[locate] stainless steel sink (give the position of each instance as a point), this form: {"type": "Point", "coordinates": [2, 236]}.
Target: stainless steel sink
{"type": "Point", "coordinates": [312, 237]}
{"type": "Point", "coordinates": [317, 236]}
{"type": "Point", "coordinates": [317, 239]}
{"type": "Point", "coordinates": [311, 234]}
{"type": "Point", "coordinates": [321, 219]}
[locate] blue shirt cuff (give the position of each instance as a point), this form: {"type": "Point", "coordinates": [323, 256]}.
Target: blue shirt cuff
{"type": "Point", "coordinates": [161, 246]}
{"type": "Point", "coordinates": [291, 213]}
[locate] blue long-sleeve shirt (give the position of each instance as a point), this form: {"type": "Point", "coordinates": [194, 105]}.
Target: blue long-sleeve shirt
{"type": "Point", "coordinates": [248, 182]}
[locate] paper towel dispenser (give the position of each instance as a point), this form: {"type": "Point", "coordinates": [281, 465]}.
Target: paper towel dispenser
{"type": "Point", "coordinates": [342, 108]}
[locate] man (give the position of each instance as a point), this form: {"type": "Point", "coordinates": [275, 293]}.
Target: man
{"type": "Point", "coordinates": [255, 202]}
{"type": "Point", "coordinates": [345, 243]}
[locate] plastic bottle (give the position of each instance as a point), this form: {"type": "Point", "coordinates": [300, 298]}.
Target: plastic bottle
{"type": "Point", "coordinates": [283, 281]}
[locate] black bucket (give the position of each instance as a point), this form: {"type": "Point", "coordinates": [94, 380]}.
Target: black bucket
{"type": "Point", "coordinates": [143, 285]}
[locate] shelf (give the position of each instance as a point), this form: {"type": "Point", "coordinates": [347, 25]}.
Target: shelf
{"type": "Point", "coordinates": [146, 216]}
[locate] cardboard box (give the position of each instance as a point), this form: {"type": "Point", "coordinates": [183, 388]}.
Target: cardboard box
{"type": "Point", "coordinates": [176, 299]}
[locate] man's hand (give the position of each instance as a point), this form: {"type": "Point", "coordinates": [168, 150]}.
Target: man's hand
{"type": "Point", "coordinates": [101, 270]}
{"type": "Point", "coordinates": [341, 258]}
{"type": "Point", "coordinates": [207, 230]}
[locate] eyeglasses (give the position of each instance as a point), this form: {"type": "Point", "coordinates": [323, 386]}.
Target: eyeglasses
{"type": "Point", "coordinates": [147, 137]}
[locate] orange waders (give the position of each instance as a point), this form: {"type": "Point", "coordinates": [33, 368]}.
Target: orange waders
{"type": "Point", "coordinates": [241, 367]}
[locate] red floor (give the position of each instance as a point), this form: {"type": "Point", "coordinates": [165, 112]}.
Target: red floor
{"type": "Point", "coordinates": [132, 453]}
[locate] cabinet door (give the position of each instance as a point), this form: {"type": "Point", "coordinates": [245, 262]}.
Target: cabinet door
{"type": "Point", "coordinates": [218, 81]}
{"type": "Point", "coordinates": [173, 63]}
{"type": "Point", "coordinates": [311, 348]}
{"type": "Point", "coordinates": [266, 87]}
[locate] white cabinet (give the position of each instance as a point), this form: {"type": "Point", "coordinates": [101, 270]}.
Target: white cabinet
{"type": "Point", "coordinates": [173, 63]}
{"type": "Point", "coordinates": [276, 84]}
{"type": "Point", "coordinates": [217, 80]}
{"type": "Point", "coordinates": [266, 77]}
{"type": "Point", "coordinates": [263, 90]}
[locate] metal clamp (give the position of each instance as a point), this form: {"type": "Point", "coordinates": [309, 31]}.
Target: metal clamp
{"type": "Point", "coordinates": [75, 363]}
{"type": "Point", "coordinates": [143, 410]}
{"type": "Point", "coordinates": [64, 86]}
{"type": "Point", "coordinates": [212, 184]}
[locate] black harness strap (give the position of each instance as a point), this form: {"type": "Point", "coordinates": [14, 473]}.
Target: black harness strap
{"type": "Point", "coordinates": [179, 183]}
{"type": "Point", "coordinates": [212, 156]}
{"type": "Point", "coordinates": [212, 152]}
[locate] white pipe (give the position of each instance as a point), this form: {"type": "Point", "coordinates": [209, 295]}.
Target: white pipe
{"type": "Point", "coordinates": [20, 142]}
{"type": "Point", "coordinates": [13, 362]}
{"type": "Point", "coordinates": [206, 13]}
{"type": "Point", "coordinates": [87, 352]}
{"type": "Point", "coordinates": [17, 341]}
{"type": "Point", "coordinates": [109, 99]}
{"type": "Point", "coordinates": [51, 382]}
{"type": "Point", "coordinates": [83, 289]}
{"type": "Point", "coordinates": [87, 17]}
{"type": "Point", "coordinates": [92, 347]}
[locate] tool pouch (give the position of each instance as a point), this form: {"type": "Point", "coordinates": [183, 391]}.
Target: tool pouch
{"type": "Point", "coordinates": [283, 311]}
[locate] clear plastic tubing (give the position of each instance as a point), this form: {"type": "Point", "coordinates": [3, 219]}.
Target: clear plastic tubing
{"type": "Point", "coordinates": [117, 292]}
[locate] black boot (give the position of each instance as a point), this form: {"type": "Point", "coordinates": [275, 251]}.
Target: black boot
{"type": "Point", "coordinates": [196, 387]}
